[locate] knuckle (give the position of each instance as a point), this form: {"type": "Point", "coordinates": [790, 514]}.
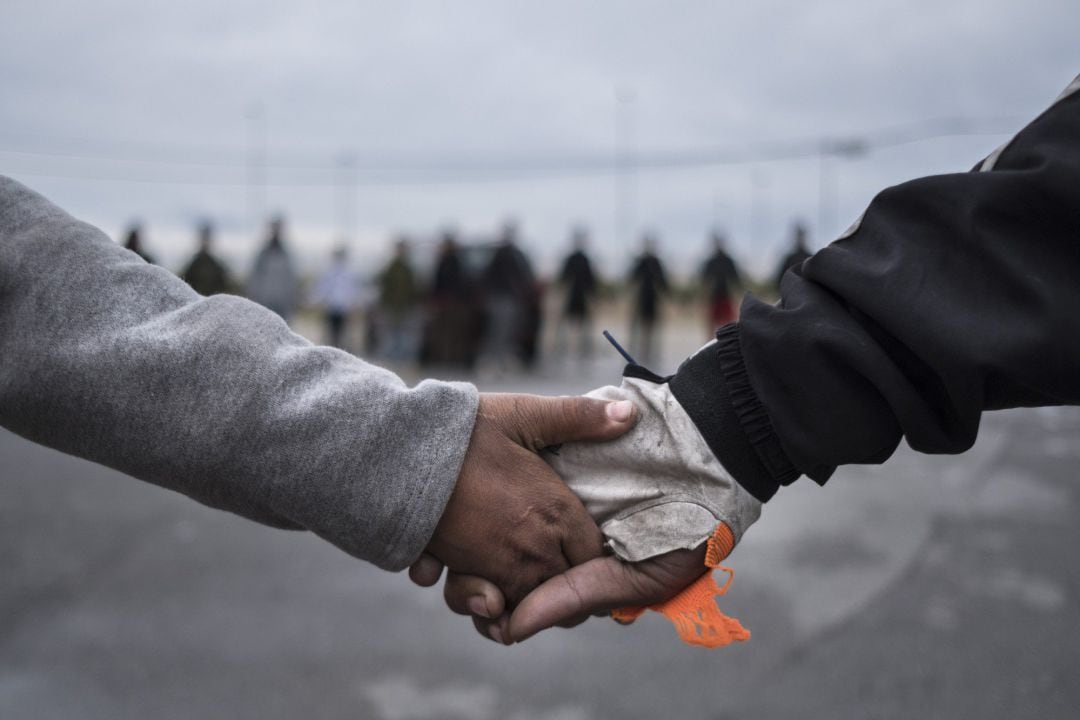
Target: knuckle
{"type": "Point", "coordinates": [574, 412]}
{"type": "Point", "coordinates": [455, 600]}
{"type": "Point", "coordinates": [554, 512]}
{"type": "Point", "coordinates": [533, 569]}
{"type": "Point", "coordinates": [517, 589]}
{"type": "Point", "coordinates": [552, 567]}
{"type": "Point", "coordinates": [530, 557]}
{"type": "Point", "coordinates": [519, 411]}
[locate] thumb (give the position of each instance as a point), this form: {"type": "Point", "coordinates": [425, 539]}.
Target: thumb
{"type": "Point", "coordinates": [595, 586]}
{"type": "Point", "coordinates": [602, 585]}
{"type": "Point", "coordinates": [549, 421]}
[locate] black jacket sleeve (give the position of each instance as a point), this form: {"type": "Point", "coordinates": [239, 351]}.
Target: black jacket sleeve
{"type": "Point", "coordinates": [954, 294]}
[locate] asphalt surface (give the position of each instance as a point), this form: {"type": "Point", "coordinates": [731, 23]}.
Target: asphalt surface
{"type": "Point", "coordinates": [930, 586]}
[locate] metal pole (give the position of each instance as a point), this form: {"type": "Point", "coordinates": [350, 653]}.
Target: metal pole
{"type": "Point", "coordinates": [824, 189]}
{"type": "Point", "coordinates": [346, 195]}
{"type": "Point", "coordinates": [256, 166]}
{"type": "Point", "coordinates": [625, 177]}
{"type": "Point", "coordinates": [759, 183]}
{"type": "Point", "coordinates": [831, 150]}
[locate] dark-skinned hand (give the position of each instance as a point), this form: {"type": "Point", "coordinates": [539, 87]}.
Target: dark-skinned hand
{"type": "Point", "coordinates": [595, 587]}
{"type": "Point", "coordinates": [511, 520]}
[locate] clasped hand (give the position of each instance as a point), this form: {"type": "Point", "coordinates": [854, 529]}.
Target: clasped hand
{"type": "Point", "coordinates": [522, 553]}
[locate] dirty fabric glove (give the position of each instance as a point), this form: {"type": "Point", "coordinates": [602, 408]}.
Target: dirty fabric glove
{"type": "Point", "coordinates": [661, 488]}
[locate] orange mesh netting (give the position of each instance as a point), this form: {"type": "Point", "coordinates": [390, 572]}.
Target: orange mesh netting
{"type": "Point", "coordinates": [694, 612]}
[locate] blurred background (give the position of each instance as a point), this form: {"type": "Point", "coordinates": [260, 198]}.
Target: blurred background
{"type": "Point", "coordinates": [474, 191]}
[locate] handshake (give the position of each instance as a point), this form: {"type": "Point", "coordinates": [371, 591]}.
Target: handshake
{"type": "Point", "coordinates": [577, 506]}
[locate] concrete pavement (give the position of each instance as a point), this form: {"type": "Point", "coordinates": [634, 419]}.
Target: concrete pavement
{"type": "Point", "coordinates": [939, 587]}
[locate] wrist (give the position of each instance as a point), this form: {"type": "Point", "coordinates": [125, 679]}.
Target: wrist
{"type": "Point", "coordinates": [715, 391]}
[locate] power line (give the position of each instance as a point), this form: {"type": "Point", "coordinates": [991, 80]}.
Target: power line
{"type": "Point", "coordinates": [227, 172]}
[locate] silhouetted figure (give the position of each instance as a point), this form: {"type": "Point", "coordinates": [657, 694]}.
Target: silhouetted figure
{"type": "Point", "coordinates": [651, 282]}
{"type": "Point", "coordinates": [579, 281]}
{"type": "Point", "coordinates": [273, 282]}
{"type": "Point", "coordinates": [799, 253]}
{"type": "Point", "coordinates": [338, 292]}
{"type": "Point", "coordinates": [398, 296]}
{"type": "Point", "coordinates": [450, 279]}
{"type": "Point", "coordinates": [133, 241]}
{"type": "Point", "coordinates": [531, 312]}
{"type": "Point", "coordinates": [205, 273]}
{"type": "Point", "coordinates": [452, 333]}
{"type": "Point", "coordinates": [720, 278]}
{"type": "Point", "coordinates": [512, 314]}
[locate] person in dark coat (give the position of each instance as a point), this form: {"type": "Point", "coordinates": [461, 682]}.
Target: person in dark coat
{"type": "Point", "coordinates": [579, 280]}
{"type": "Point", "coordinates": [452, 334]}
{"type": "Point", "coordinates": [650, 283]}
{"type": "Point", "coordinates": [398, 296]}
{"type": "Point", "coordinates": [721, 279]}
{"type": "Point", "coordinates": [450, 280]}
{"type": "Point", "coordinates": [508, 283]}
{"type": "Point", "coordinates": [531, 318]}
{"type": "Point", "coordinates": [205, 273]}
{"type": "Point", "coordinates": [799, 254]}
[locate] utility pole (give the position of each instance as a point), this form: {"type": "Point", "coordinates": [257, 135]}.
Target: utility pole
{"type": "Point", "coordinates": [759, 209]}
{"type": "Point", "coordinates": [626, 171]}
{"type": "Point", "coordinates": [719, 206]}
{"type": "Point", "coordinates": [256, 166]}
{"type": "Point", "coordinates": [831, 149]}
{"type": "Point", "coordinates": [826, 194]}
{"type": "Point", "coordinates": [346, 196]}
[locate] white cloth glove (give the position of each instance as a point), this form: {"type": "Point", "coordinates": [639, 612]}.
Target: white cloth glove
{"type": "Point", "coordinates": [659, 487]}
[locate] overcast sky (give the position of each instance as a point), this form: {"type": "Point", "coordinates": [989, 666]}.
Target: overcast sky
{"type": "Point", "coordinates": [467, 113]}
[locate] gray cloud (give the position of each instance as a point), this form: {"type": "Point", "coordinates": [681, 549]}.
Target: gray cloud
{"type": "Point", "coordinates": [517, 81]}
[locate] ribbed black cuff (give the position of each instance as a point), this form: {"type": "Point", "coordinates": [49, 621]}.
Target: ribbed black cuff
{"type": "Point", "coordinates": [716, 393]}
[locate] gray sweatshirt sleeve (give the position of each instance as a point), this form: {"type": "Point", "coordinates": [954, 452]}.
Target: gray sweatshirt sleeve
{"type": "Point", "coordinates": [111, 359]}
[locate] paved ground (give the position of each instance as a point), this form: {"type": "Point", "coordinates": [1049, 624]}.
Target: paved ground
{"type": "Point", "coordinates": [932, 587]}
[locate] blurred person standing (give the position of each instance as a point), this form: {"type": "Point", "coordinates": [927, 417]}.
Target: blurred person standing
{"type": "Point", "coordinates": [449, 281]}
{"type": "Point", "coordinates": [398, 296]}
{"type": "Point", "coordinates": [452, 332]}
{"type": "Point", "coordinates": [579, 281]}
{"type": "Point", "coordinates": [650, 282]}
{"type": "Point", "coordinates": [531, 311]}
{"type": "Point", "coordinates": [798, 254]}
{"type": "Point", "coordinates": [507, 285]}
{"type": "Point", "coordinates": [205, 273]}
{"type": "Point", "coordinates": [133, 241]}
{"type": "Point", "coordinates": [274, 283]}
{"type": "Point", "coordinates": [337, 292]}
{"type": "Point", "coordinates": [721, 280]}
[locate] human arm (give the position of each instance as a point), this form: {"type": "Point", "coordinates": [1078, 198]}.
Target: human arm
{"type": "Point", "coordinates": [954, 295]}
{"type": "Point", "coordinates": [120, 362]}
{"type": "Point", "coordinates": [105, 357]}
